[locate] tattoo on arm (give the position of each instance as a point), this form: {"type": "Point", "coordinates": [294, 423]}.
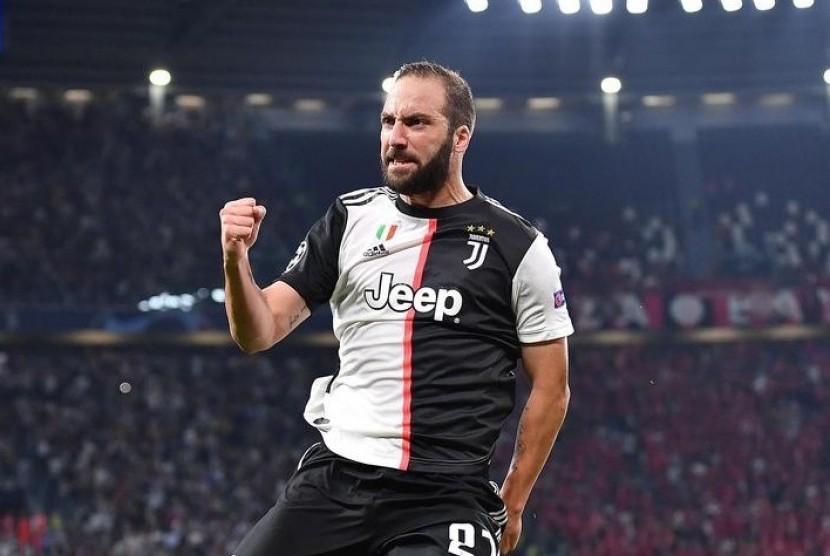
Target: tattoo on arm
{"type": "Point", "coordinates": [520, 447]}
{"type": "Point", "coordinates": [296, 317]}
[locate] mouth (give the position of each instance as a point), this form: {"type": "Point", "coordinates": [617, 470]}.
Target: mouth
{"type": "Point", "coordinates": [396, 164]}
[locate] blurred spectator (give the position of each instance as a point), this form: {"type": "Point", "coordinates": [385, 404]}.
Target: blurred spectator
{"type": "Point", "coordinates": [667, 450]}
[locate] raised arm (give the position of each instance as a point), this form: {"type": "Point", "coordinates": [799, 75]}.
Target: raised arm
{"type": "Point", "coordinates": [258, 318]}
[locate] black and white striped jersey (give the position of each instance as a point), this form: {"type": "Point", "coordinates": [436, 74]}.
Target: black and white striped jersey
{"type": "Point", "coordinates": [430, 307]}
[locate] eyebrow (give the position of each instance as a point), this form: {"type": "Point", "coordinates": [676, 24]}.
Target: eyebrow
{"type": "Point", "coordinates": [414, 115]}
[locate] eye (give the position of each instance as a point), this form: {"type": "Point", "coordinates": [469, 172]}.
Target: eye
{"type": "Point", "coordinates": [387, 121]}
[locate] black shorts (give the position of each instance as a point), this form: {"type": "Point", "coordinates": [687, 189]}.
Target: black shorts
{"type": "Point", "coordinates": [335, 506]}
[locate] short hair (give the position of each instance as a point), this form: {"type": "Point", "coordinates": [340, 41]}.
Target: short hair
{"type": "Point", "coordinates": [460, 108]}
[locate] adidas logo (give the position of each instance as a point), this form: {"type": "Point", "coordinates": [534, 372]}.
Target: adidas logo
{"type": "Point", "coordinates": [376, 251]}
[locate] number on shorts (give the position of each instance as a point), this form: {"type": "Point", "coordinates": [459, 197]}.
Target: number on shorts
{"type": "Point", "coordinates": [463, 536]}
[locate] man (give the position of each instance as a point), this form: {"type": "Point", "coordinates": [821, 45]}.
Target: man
{"type": "Point", "coordinates": [435, 291]}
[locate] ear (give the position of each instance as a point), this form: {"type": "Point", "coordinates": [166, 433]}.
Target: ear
{"type": "Point", "coordinates": [461, 139]}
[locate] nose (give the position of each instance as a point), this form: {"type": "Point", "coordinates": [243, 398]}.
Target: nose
{"type": "Point", "coordinates": [397, 135]}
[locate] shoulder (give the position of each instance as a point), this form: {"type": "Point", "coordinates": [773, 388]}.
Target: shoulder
{"type": "Point", "coordinates": [367, 196]}
{"type": "Point", "coordinates": [514, 224]}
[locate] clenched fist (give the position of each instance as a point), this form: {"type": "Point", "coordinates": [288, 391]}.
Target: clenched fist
{"type": "Point", "coordinates": [240, 226]}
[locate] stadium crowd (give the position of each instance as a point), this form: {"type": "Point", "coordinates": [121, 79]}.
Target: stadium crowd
{"type": "Point", "coordinates": [101, 206]}
{"type": "Point", "coordinates": [667, 450]}
{"type": "Point", "coordinates": [672, 450]}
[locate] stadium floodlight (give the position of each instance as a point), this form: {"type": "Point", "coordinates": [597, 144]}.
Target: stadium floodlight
{"type": "Point", "coordinates": [659, 101]}
{"type": "Point", "coordinates": [802, 4]}
{"type": "Point", "coordinates": [718, 99]}
{"type": "Point", "coordinates": [309, 105]}
{"type": "Point", "coordinates": [23, 93]}
{"type": "Point", "coordinates": [258, 99]}
{"type": "Point", "coordinates": [531, 6]}
{"type": "Point", "coordinates": [387, 83]}
{"type": "Point", "coordinates": [569, 7]}
{"type": "Point", "coordinates": [489, 103]}
{"type": "Point", "coordinates": [77, 96]}
{"type": "Point", "coordinates": [602, 7]}
{"type": "Point", "coordinates": [777, 100]}
{"type": "Point", "coordinates": [160, 77]}
{"type": "Point", "coordinates": [190, 102]}
{"type": "Point", "coordinates": [732, 5]}
{"type": "Point", "coordinates": [611, 85]}
{"type": "Point", "coordinates": [827, 76]}
{"type": "Point", "coordinates": [543, 103]}
{"type": "Point", "coordinates": [764, 5]}
{"type": "Point", "coordinates": [637, 6]}
{"type": "Point", "coordinates": [691, 6]}
{"type": "Point", "coordinates": [476, 6]}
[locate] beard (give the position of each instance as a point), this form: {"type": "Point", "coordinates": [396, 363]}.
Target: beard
{"type": "Point", "coordinates": [425, 179]}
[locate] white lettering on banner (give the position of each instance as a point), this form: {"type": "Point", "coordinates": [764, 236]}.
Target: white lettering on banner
{"type": "Point", "coordinates": [586, 313]}
{"type": "Point", "coordinates": [763, 307]}
{"type": "Point", "coordinates": [749, 307]}
{"type": "Point", "coordinates": [632, 312]}
{"type": "Point", "coordinates": [737, 310]}
{"type": "Point", "coordinates": [785, 303]}
{"type": "Point", "coordinates": [402, 298]}
{"type": "Point", "coordinates": [824, 299]}
{"type": "Point", "coordinates": [687, 310]}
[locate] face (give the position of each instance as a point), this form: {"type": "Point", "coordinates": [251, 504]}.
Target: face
{"type": "Point", "coordinates": [415, 140]}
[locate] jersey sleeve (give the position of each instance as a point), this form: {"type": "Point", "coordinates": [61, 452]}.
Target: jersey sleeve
{"type": "Point", "coordinates": [538, 297]}
{"type": "Point", "coordinates": [313, 270]}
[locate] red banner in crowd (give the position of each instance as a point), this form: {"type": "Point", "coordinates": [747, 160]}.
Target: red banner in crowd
{"type": "Point", "coordinates": [701, 308]}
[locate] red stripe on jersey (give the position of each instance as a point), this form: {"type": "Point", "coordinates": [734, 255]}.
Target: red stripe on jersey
{"type": "Point", "coordinates": [406, 435]}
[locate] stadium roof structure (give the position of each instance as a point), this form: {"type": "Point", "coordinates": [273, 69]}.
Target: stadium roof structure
{"type": "Point", "coordinates": [337, 47]}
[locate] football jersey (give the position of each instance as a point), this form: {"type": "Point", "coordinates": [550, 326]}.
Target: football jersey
{"type": "Point", "coordinates": [430, 307]}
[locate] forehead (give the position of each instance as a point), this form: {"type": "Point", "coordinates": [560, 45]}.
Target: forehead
{"type": "Point", "coordinates": [412, 94]}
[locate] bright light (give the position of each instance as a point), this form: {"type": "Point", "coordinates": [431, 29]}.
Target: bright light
{"type": "Point", "coordinates": [601, 7]}
{"type": "Point", "coordinates": [543, 103]}
{"type": "Point", "coordinates": [827, 76]}
{"type": "Point", "coordinates": [719, 99]}
{"type": "Point", "coordinates": [764, 5]}
{"type": "Point", "coordinates": [732, 5]}
{"type": "Point", "coordinates": [23, 93]}
{"type": "Point", "coordinates": [659, 101]}
{"type": "Point", "coordinates": [77, 96]}
{"type": "Point", "coordinates": [692, 6]}
{"type": "Point", "coordinates": [217, 295]}
{"type": "Point", "coordinates": [488, 103]}
{"type": "Point", "coordinates": [777, 100]}
{"type": "Point", "coordinates": [190, 102]}
{"type": "Point", "coordinates": [258, 99]}
{"type": "Point", "coordinates": [569, 7]}
{"type": "Point", "coordinates": [309, 105]}
{"type": "Point", "coordinates": [387, 83]}
{"type": "Point", "coordinates": [611, 85]}
{"type": "Point", "coordinates": [160, 77]}
{"type": "Point", "coordinates": [477, 5]}
{"type": "Point", "coordinates": [637, 6]}
{"type": "Point", "coordinates": [531, 6]}
{"type": "Point", "coordinates": [803, 3]}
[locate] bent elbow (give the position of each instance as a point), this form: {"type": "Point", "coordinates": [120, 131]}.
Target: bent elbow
{"type": "Point", "coordinates": [251, 346]}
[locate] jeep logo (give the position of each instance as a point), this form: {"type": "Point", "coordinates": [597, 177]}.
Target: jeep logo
{"type": "Point", "coordinates": [402, 298]}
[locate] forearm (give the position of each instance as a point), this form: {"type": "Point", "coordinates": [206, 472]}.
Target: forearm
{"type": "Point", "coordinates": [538, 428]}
{"type": "Point", "coordinates": [252, 325]}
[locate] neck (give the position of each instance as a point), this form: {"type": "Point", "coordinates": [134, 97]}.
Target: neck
{"type": "Point", "coordinates": [452, 192]}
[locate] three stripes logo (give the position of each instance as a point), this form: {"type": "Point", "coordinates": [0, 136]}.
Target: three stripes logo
{"type": "Point", "coordinates": [383, 233]}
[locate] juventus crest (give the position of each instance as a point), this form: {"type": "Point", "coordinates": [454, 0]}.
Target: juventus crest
{"type": "Point", "coordinates": [480, 242]}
